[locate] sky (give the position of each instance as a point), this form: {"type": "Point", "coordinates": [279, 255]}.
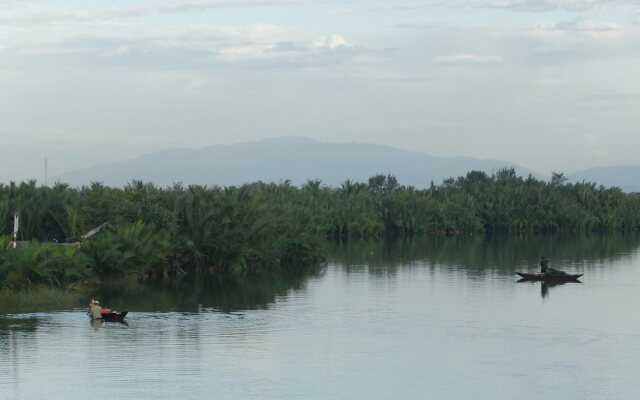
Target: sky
{"type": "Point", "coordinates": [553, 85]}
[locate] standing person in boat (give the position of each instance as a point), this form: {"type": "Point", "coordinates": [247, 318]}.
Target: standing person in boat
{"type": "Point", "coordinates": [546, 270]}
{"type": "Point", "coordinates": [544, 265]}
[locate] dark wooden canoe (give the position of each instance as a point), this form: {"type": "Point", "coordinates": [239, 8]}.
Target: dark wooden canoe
{"type": "Point", "coordinates": [114, 316]}
{"type": "Point", "coordinates": [549, 278]}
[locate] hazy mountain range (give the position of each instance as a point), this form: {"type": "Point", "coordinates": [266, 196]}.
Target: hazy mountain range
{"type": "Point", "coordinates": [300, 159]}
{"type": "Point", "coordinates": [626, 177]}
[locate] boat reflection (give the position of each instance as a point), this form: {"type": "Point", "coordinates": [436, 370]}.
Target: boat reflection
{"type": "Point", "coordinates": [545, 286]}
{"type": "Point", "coordinates": [98, 323]}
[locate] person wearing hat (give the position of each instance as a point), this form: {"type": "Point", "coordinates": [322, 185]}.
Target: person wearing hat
{"type": "Point", "coordinates": [90, 305]}
{"type": "Point", "coordinates": [95, 311]}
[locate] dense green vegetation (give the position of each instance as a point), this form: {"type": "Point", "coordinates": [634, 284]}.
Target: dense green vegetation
{"type": "Point", "coordinates": [153, 232]}
{"type": "Point", "coordinates": [475, 203]}
{"type": "Point", "coordinates": [188, 230]}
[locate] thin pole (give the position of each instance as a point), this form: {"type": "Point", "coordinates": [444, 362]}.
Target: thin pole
{"type": "Point", "coordinates": [14, 236]}
{"type": "Point", "coordinates": [46, 172]}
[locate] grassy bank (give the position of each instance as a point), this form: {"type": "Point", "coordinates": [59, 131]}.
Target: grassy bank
{"type": "Point", "coordinates": [39, 298]}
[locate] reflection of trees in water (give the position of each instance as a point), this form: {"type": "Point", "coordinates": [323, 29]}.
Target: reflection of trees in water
{"type": "Point", "coordinates": [473, 255]}
{"type": "Point", "coordinates": [9, 325]}
{"type": "Point", "coordinates": [228, 292]}
{"type": "Point", "coordinates": [484, 253]}
{"type": "Point", "coordinates": [10, 328]}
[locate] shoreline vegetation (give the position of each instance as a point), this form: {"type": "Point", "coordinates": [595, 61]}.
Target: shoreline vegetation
{"type": "Point", "coordinates": [177, 230]}
{"type": "Point", "coordinates": [40, 298]}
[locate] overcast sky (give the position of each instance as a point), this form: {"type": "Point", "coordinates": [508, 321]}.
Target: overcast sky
{"type": "Point", "coordinates": [553, 85]}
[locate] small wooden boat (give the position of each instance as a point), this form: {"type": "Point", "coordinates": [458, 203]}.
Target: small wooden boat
{"type": "Point", "coordinates": [114, 316]}
{"type": "Point", "coordinates": [549, 278]}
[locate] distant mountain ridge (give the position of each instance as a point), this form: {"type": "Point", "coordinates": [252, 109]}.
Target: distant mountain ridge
{"type": "Point", "coordinates": [294, 158]}
{"type": "Point", "coordinates": [626, 177]}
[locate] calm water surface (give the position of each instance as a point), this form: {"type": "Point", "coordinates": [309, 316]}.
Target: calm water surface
{"type": "Point", "coordinates": [413, 319]}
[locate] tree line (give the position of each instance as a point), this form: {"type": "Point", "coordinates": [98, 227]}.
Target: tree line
{"type": "Point", "coordinates": [195, 229]}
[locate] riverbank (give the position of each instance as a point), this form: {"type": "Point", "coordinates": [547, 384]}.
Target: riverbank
{"type": "Point", "coordinates": [162, 232]}
{"type": "Point", "coordinates": [40, 298]}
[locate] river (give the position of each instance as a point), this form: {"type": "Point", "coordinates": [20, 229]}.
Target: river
{"type": "Point", "coordinates": [439, 318]}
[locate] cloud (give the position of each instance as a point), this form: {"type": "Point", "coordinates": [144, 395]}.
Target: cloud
{"type": "Point", "coordinates": [468, 59]}
{"type": "Point", "coordinates": [418, 25]}
{"type": "Point", "coordinates": [54, 50]}
{"type": "Point", "coordinates": [581, 36]}
{"type": "Point", "coordinates": [586, 26]}
{"type": "Point", "coordinates": [550, 5]}
{"type": "Point", "coordinates": [192, 44]}
{"type": "Point", "coordinates": [199, 85]}
{"type": "Point", "coordinates": [117, 52]}
{"type": "Point", "coordinates": [212, 37]}
{"type": "Point", "coordinates": [257, 42]}
{"type": "Point", "coordinates": [292, 51]}
{"type": "Point", "coordinates": [332, 42]}
{"type": "Point", "coordinates": [379, 8]}
{"type": "Point", "coordinates": [56, 15]}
